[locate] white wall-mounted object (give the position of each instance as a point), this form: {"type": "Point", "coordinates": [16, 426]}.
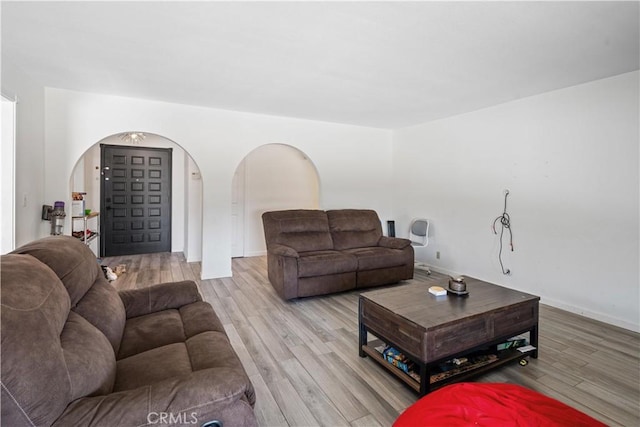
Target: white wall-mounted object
{"type": "Point", "coordinates": [419, 232]}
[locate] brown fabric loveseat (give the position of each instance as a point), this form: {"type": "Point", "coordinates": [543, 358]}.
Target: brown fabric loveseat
{"type": "Point", "coordinates": [314, 252]}
{"type": "Point", "coordinates": [76, 352]}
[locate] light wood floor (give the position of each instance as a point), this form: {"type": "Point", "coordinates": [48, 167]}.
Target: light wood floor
{"type": "Point", "coordinates": [303, 361]}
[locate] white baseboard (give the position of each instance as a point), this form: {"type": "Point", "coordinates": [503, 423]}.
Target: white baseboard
{"type": "Point", "coordinates": [439, 270]}
{"type": "Point", "coordinates": [421, 266]}
{"type": "Point", "coordinates": [592, 315]}
{"type": "Point", "coordinates": [255, 253]}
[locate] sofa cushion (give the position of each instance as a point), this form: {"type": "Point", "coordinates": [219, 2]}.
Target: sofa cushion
{"type": "Point", "coordinates": [199, 317]}
{"type": "Point", "coordinates": [76, 266]}
{"type": "Point", "coordinates": [70, 259]}
{"type": "Point", "coordinates": [89, 358]}
{"type": "Point", "coordinates": [322, 263]}
{"type": "Point", "coordinates": [141, 333]}
{"type": "Point", "coordinates": [151, 299]}
{"type": "Point", "coordinates": [375, 257]}
{"type": "Point", "coordinates": [152, 366]}
{"type": "Point", "coordinates": [394, 242]}
{"type": "Point", "coordinates": [203, 351]}
{"type": "Point", "coordinates": [102, 307]}
{"type": "Point", "coordinates": [35, 305]}
{"type": "Point", "coordinates": [354, 228]}
{"type": "Point", "coordinates": [203, 345]}
{"type": "Point", "coordinates": [301, 229]}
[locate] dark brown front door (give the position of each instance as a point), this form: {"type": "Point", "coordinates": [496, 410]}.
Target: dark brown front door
{"type": "Point", "coordinates": [136, 200]}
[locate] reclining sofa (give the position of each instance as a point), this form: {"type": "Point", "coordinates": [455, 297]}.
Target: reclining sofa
{"type": "Point", "coordinates": [315, 252]}
{"type": "Point", "coordinates": [76, 352]}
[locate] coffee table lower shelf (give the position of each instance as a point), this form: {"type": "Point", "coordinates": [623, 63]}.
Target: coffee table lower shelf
{"type": "Point", "coordinates": [504, 357]}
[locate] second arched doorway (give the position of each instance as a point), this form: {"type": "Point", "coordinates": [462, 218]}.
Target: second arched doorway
{"type": "Point", "coordinates": [271, 177]}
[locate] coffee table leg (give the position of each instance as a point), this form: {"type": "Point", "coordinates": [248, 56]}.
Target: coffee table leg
{"type": "Point", "coordinates": [533, 337]}
{"type": "Point", "coordinates": [425, 383]}
{"type": "Point", "coordinates": [362, 331]}
{"type": "Point", "coordinates": [362, 340]}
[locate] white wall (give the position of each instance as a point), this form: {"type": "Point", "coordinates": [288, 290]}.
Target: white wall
{"type": "Point", "coordinates": [78, 179]}
{"type": "Point", "coordinates": [353, 163]}
{"type": "Point", "coordinates": [7, 170]}
{"type": "Point", "coordinates": [92, 176]}
{"type": "Point", "coordinates": [29, 153]}
{"type": "Point", "coordinates": [193, 213]}
{"type": "Point", "coordinates": [277, 177]}
{"type": "Point", "coordinates": [570, 160]}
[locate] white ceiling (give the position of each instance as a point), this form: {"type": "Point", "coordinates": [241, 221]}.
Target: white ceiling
{"type": "Point", "coordinates": [380, 64]}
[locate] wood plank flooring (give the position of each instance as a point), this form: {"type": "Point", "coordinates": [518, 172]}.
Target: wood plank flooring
{"type": "Point", "coordinates": [302, 356]}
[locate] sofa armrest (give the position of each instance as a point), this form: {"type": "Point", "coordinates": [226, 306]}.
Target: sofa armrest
{"type": "Point", "coordinates": [283, 250]}
{"type": "Point", "coordinates": [224, 394]}
{"type": "Point", "coordinates": [138, 302]}
{"type": "Point", "coordinates": [393, 242]}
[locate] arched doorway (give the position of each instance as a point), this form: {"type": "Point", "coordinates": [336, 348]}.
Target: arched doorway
{"type": "Point", "coordinates": [271, 177]}
{"type": "Point", "coordinates": [186, 200]}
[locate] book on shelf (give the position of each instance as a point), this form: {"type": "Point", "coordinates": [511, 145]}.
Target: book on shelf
{"type": "Point", "coordinates": [514, 342]}
{"type": "Point", "coordinates": [458, 366]}
{"type": "Point", "coordinates": [398, 359]}
{"type": "Point", "coordinates": [526, 348]}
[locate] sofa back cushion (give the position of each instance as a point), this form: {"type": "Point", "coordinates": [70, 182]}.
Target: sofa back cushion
{"type": "Point", "coordinates": [69, 259]}
{"type": "Point", "coordinates": [354, 228]}
{"type": "Point", "coordinates": [35, 381]}
{"type": "Point", "coordinates": [52, 351]}
{"type": "Point", "coordinates": [301, 229]}
{"type": "Point", "coordinates": [88, 356]}
{"type": "Point", "coordinates": [90, 294]}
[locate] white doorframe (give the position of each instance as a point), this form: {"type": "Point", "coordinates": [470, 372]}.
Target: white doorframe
{"type": "Point", "coordinates": [7, 178]}
{"type": "Point", "coordinates": [237, 211]}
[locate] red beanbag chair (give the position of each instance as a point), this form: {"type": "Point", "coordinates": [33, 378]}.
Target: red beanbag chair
{"type": "Point", "coordinates": [491, 405]}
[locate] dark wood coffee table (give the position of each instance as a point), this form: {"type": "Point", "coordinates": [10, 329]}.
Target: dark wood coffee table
{"type": "Point", "coordinates": [431, 330]}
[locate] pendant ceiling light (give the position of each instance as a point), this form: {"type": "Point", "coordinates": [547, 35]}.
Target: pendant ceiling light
{"type": "Point", "coordinates": [132, 137]}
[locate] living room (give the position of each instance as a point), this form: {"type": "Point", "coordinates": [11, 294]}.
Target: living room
{"type": "Point", "coordinates": [567, 154]}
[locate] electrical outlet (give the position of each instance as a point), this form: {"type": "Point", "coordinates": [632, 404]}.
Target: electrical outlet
{"type": "Point", "coordinates": [438, 255]}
